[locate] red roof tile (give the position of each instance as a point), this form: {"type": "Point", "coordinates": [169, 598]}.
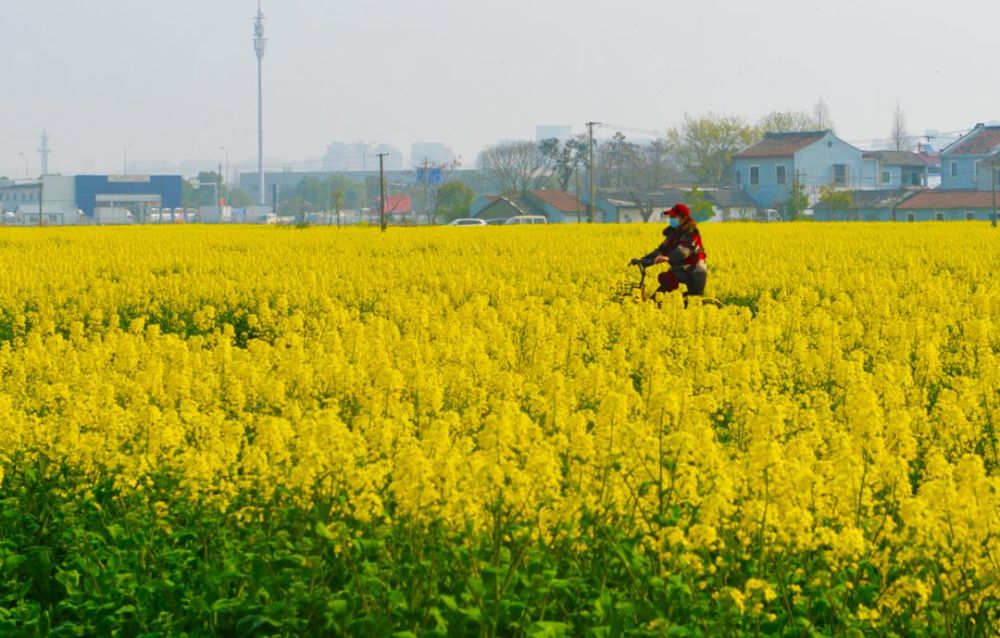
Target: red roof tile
{"type": "Point", "coordinates": [398, 204]}
{"type": "Point", "coordinates": [781, 144]}
{"type": "Point", "coordinates": [560, 200]}
{"type": "Point", "coordinates": [980, 141]}
{"type": "Point", "coordinates": [943, 200]}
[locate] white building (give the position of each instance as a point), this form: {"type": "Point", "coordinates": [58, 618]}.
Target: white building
{"type": "Point", "coordinates": [434, 153]}
{"type": "Point", "coordinates": [561, 132]}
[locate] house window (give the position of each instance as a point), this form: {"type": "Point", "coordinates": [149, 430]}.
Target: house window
{"type": "Point", "coordinates": [755, 175]}
{"type": "Point", "coordinates": [840, 174]}
{"type": "Point", "coordinates": [911, 217]}
{"type": "Point", "coordinates": [779, 173]}
{"type": "Point", "coordinates": [954, 169]}
{"type": "Point", "coordinates": [886, 177]}
{"type": "Point", "coordinates": [970, 216]}
{"type": "Point", "coordinates": [939, 217]}
{"type": "Point", "coordinates": [739, 178]}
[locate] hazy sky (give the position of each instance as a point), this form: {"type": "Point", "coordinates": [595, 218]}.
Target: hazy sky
{"type": "Point", "coordinates": [176, 79]}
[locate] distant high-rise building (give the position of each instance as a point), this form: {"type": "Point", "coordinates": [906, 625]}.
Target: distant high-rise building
{"type": "Point", "coordinates": [561, 132]}
{"type": "Point", "coordinates": [360, 156]}
{"type": "Point", "coordinates": [433, 152]}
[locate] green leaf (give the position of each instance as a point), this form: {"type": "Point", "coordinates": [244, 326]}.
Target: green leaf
{"type": "Point", "coordinates": [323, 531]}
{"type": "Point", "coordinates": [449, 602]}
{"type": "Point", "coordinates": [472, 613]}
{"type": "Point", "coordinates": [69, 579]}
{"type": "Point", "coordinates": [249, 624]}
{"type": "Point", "coordinates": [548, 629]}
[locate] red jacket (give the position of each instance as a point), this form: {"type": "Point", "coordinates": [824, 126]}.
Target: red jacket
{"type": "Point", "coordinates": [687, 238]}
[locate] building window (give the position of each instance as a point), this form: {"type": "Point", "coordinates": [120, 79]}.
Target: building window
{"type": "Point", "coordinates": [840, 174]}
{"type": "Point", "coordinates": [739, 178]}
{"type": "Point", "coordinates": [886, 177]}
{"type": "Point", "coordinates": [754, 175]}
{"type": "Point", "coordinates": [779, 173]}
{"type": "Point", "coordinates": [939, 217]}
{"type": "Point", "coordinates": [970, 216]}
{"type": "Point", "coordinates": [911, 217]}
{"type": "Point", "coordinates": [954, 169]}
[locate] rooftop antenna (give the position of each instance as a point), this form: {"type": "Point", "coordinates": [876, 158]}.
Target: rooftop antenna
{"type": "Point", "coordinates": [258, 46]}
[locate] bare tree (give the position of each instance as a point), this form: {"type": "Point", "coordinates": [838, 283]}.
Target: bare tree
{"type": "Point", "coordinates": [656, 166]}
{"type": "Point", "coordinates": [821, 115]}
{"type": "Point", "coordinates": [900, 138]}
{"type": "Point", "coordinates": [516, 166]}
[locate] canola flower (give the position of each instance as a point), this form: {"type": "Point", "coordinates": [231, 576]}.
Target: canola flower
{"type": "Point", "coordinates": [843, 403]}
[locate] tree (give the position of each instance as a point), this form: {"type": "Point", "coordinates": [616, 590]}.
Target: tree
{"type": "Point", "coordinates": [566, 158]}
{"type": "Point", "coordinates": [516, 166]}
{"type": "Point", "coordinates": [836, 199]}
{"type": "Point", "coordinates": [705, 145]}
{"type": "Point", "coordinates": [787, 122]}
{"type": "Point", "coordinates": [194, 195]}
{"type": "Point", "coordinates": [797, 200]}
{"type": "Point", "coordinates": [615, 158]}
{"type": "Point", "coordinates": [352, 191]}
{"type": "Point", "coordinates": [701, 207]}
{"type": "Point", "coordinates": [454, 199]}
{"type": "Point", "coordinates": [313, 193]}
{"type": "Point", "coordinates": [238, 198]}
{"type": "Point", "coordinates": [821, 116]}
{"type": "Point", "coordinates": [337, 203]}
{"type": "Point", "coordinates": [655, 166]}
{"type": "Point", "coordinates": [900, 138]}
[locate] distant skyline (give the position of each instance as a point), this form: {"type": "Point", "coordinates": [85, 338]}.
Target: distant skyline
{"type": "Point", "coordinates": [175, 81]}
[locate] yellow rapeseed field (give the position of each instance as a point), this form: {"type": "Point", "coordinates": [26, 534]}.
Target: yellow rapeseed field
{"type": "Point", "coordinates": [843, 403]}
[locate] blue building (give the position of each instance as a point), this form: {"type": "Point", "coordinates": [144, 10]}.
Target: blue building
{"type": "Point", "coordinates": [94, 193]}
{"type": "Point", "coordinates": [887, 170]}
{"type": "Point", "coordinates": [767, 170]}
{"type": "Point", "coordinates": [960, 161]}
{"type": "Point", "coordinates": [947, 205]}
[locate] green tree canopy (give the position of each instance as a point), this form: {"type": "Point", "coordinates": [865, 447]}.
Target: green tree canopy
{"type": "Point", "coordinates": [454, 200]}
{"type": "Point", "coordinates": [701, 207]}
{"type": "Point", "coordinates": [705, 145]}
{"type": "Point", "coordinates": [786, 122]}
{"type": "Point", "coordinates": [837, 199]}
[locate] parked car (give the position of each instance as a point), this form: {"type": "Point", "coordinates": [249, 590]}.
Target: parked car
{"type": "Point", "coordinates": [499, 221]}
{"type": "Point", "coordinates": [467, 221]}
{"type": "Point", "coordinates": [527, 219]}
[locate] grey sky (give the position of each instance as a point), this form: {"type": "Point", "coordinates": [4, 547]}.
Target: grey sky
{"type": "Point", "coordinates": [177, 79]}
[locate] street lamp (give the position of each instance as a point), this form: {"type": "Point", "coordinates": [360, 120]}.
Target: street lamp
{"type": "Point", "coordinates": [25, 164]}
{"type": "Point", "coordinates": [125, 159]}
{"type": "Point", "coordinates": [225, 180]}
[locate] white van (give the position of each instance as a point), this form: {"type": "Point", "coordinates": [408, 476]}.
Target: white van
{"type": "Point", "coordinates": [527, 219]}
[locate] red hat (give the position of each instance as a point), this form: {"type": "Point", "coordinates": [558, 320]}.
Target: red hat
{"type": "Point", "coordinates": [679, 210]}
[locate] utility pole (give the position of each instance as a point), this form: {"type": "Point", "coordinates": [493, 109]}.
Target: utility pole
{"type": "Point", "coordinates": [427, 196]}
{"type": "Point", "coordinates": [381, 187]}
{"type": "Point", "coordinates": [259, 42]}
{"type": "Point", "coordinates": [993, 175]}
{"type": "Point", "coordinates": [590, 171]}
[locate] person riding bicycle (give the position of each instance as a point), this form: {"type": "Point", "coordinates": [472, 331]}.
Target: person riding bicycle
{"type": "Point", "coordinates": [683, 249]}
